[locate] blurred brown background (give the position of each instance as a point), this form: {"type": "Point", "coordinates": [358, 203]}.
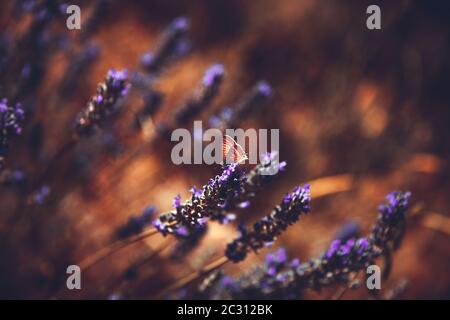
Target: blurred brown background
{"type": "Point", "coordinates": [347, 100]}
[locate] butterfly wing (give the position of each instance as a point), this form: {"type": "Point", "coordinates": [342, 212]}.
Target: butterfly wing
{"type": "Point", "coordinates": [232, 151]}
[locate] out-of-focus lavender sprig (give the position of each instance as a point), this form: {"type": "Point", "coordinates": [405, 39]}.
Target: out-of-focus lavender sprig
{"type": "Point", "coordinates": [172, 44]}
{"type": "Point", "coordinates": [388, 232]}
{"type": "Point", "coordinates": [228, 117]}
{"type": "Point", "coordinates": [13, 178]}
{"type": "Point", "coordinates": [5, 47]}
{"type": "Point", "coordinates": [98, 11]}
{"type": "Point", "coordinates": [40, 196]}
{"type": "Point", "coordinates": [136, 224]}
{"type": "Point", "coordinates": [203, 96]}
{"type": "Point", "coordinates": [103, 104]}
{"type": "Point", "coordinates": [195, 212]}
{"type": "Point", "coordinates": [11, 117]}
{"type": "Point", "coordinates": [188, 239]}
{"type": "Point", "coordinates": [152, 103]}
{"type": "Point", "coordinates": [22, 7]}
{"type": "Point", "coordinates": [78, 64]}
{"type": "Point", "coordinates": [267, 230]}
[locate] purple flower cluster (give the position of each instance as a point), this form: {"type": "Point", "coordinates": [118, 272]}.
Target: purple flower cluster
{"type": "Point", "coordinates": [188, 217]}
{"type": "Point", "coordinates": [104, 103]}
{"type": "Point", "coordinates": [11, 117]}
{"type": "Point", "coordinates": [266, 231]}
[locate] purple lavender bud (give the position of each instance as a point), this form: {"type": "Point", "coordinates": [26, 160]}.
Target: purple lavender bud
{"type": "Point", "coordinates": [287, 198]}
{"type": "Point", "coordinates": [281, 255]}
{"type": "Point", "coordinates": [41, 195]}
{"type": "Point", "coordinates": [182, 232]}
{"type": "Point", "coordinates": [213, 74]}
{"type": "Point", "coordinates": [229, 217]}
{"type": "Point", "coordinates": [177, 201]}
{"type": "Point", "coordinates": [271, 271]}
{"type": "Point", "coordinates": [244, 204]}
{"type": "Point", "coordinates": [227, 282]}
{"type": "Point", "coordinates": [295, 263]}
{"type": "Point", "coordinates": [180, 24]}
{"type": "Point", "coordinates": [195, 192]}
{"type": "Point", "coordinates": [334, 247]}
{"type": "Point", "coordinates": [265, 89]}
{"type": "Point", "coordinates": [147, 58]}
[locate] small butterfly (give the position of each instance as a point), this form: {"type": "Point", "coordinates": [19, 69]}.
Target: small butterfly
{"type": "Point", "coordinates": [232, 151]}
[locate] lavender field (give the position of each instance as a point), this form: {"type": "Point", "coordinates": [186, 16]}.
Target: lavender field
{"type": "Point", "coordinates": [88, 180]}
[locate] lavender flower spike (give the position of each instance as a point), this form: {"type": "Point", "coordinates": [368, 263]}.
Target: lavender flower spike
{"type": "Point", "coordinates": [268, 229]}
{"type": "Point", "coordinates": [193, 213]}
{"type": "Point", "coordinates": [172, 44]}
{"type": "Point", "coordinates": [10, 125]}
{"type": "Point", "coordinates": [203, 96]}
{"type": "Point", "coordinates": [104, 103]}
{"type": "Point", "coordinates": [388, 232]}
{"type": "Point", "coordinates": [227, 117]}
